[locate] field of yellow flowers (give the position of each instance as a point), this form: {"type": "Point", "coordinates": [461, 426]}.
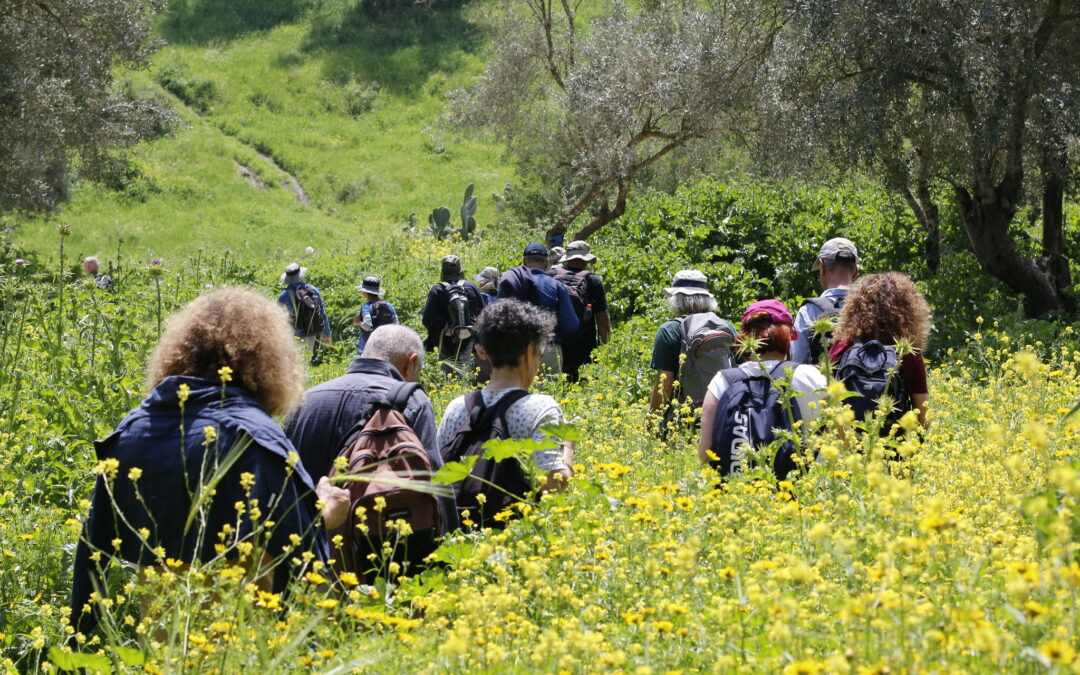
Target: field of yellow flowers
{"type": "Point", "coordinates": [958, 557]}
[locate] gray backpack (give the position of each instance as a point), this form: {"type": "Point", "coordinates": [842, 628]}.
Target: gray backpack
{"type": "Point", "coordinates": [706, 344]}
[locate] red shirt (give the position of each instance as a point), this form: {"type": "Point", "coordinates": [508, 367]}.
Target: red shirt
{"type": "Point", "coordinates": [912, 368]}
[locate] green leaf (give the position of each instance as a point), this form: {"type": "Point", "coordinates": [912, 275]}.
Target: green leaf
{"type": "Point", "coordinates": [451, 551]}
{"type": "Point", "coordinates": [130, 657]}
{"type": "Point", "coordinates": [500, 449]}
{"type": "Point", "coordinates": [452, 472]}
{"type": "Point", "coordinates": [563, 431]}
{"type": "Point", "coordinates": [71, 661]}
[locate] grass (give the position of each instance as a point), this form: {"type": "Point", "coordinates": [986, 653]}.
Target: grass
{"type": "Point", "coordinates": [325, 94]}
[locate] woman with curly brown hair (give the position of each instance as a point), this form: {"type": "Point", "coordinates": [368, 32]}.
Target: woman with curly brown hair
{"type": "Point", "coordinates": [200, 470]}
{"type": "Point", "coordinates": [887, 308]}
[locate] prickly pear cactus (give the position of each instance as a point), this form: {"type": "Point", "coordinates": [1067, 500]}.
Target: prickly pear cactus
{"type": "Point", "coordinates": [439, 223]}
{"type": "Point", "coordinates": [468, 210]}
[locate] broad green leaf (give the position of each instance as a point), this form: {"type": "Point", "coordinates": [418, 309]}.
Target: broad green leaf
{"type": "Point", "coordinates": [71, 661]}
{"type": "Point", "coordinates": [500, 449]}
{"type": "Point", "coordinates": [451, 552]}
{"type": "Point", "coordinates": [563, 430]}
{"type": "Point", "coordinates": [452, 472]}
{"type": "Point", "coordinates": [130, 657]}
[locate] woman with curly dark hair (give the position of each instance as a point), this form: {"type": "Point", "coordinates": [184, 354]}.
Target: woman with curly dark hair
{"type": "Point", "coordinates": [887, 308]}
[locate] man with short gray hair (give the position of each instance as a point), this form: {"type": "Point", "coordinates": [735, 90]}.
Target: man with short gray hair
{"type": "Point", "coordinates": [322, 423]}
{"type": "Point", "coordinates": [92, 267]}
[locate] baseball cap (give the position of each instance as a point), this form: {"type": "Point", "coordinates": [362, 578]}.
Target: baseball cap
{"type": "Point", "coordinates": [535, 248]}
{"type": "Point", "coordinates": [776, 311]}
{"type": "Point", "coordinates": [837, 250]}
{"type": "Point", "coordinates": [689, 282]}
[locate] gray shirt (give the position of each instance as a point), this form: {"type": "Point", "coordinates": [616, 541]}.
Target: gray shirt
{"type": "Point", "coordinates": [804, 324]}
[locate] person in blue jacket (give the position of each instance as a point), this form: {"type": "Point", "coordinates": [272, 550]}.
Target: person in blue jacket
{"type": "Point", "coordinates": [310, 327]}
{"type": "Point", "coordinates": [224, 366]}
{"type": "Point", "coordinates": [530, 282]}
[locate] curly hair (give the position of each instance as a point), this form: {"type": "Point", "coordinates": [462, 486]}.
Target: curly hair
{"type": "Point", "coordinates": [774, 337]}
{"type": "Point", "coordinates": [237, 328]}
{"type": "Point", "coordinates": [885, 307]}
{"type": "Point", "coordinates": [506, 327]}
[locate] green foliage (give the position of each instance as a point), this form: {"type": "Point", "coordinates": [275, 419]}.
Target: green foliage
{"type": "Point", "coordinates": [439, 223]}
{"type": "Point", "coordinates": [468, 210]}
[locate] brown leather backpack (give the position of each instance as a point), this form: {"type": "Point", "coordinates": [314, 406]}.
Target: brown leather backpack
{"type": "Point", "coordinates": [386, 446]}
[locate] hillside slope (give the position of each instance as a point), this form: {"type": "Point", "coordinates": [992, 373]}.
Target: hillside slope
{"type": "Point", "coordinates": [303, 126]}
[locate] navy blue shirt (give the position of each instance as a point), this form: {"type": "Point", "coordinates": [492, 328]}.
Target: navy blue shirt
{"type": "Point", "coordinates": [169, 445]}
{"type": "Point", "coordinates": [550, 295]}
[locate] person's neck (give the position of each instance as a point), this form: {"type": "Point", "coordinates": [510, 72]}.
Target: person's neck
{"type": "Point", "coordinates": [509, 378]}
{"type": "Point", "coordinates": [773, 356]}
{"type": "Point", "coordinates": [838, 283]}
{"type": "Point", "coordinates": [576, 268]}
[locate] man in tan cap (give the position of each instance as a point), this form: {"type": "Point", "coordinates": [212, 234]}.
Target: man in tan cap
{"type": "Point", "coordinates": [837, 265]}
{"type": "Point", "coordinates": [590, 302]}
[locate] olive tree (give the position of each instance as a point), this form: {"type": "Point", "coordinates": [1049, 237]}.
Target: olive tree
{"type": "Point", "coordinates": [980, 97]}
{"type": "Point", "coordinates": [58, 100]}
{"type": "Point", "coordinates": [586, 104]}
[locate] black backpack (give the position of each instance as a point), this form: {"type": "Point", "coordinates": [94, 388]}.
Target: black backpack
{"type": "Point", "coordinates": [870, 369]}
{"type": "Point", "coordinates": [459, 323]}
{"type": "Point", "coordinates": [381, 314]}
{"type": "Point", "coordinates": [748, 413]}
{"type": "Point", "coordinates": [307, 315]}
{"type": "Point", "coordinates": [483, 424]}
{"type": "Point", "coordinates": [820, 342]}
{"type": "Point", "coordinates": [577, 286]}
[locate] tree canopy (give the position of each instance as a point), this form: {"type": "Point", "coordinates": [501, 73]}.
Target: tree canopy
{"type": "Point", "coordinates": [58, 100]}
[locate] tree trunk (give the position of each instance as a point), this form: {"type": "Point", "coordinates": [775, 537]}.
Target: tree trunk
{"type": "Point", "coordinates": [1053, 261]}
{"type": "Point", "coordinates": [606, 215]}
{"type": "Point", "coordinates": [986, 214]}
{"type": "Point", "coordinates": [929, 216]}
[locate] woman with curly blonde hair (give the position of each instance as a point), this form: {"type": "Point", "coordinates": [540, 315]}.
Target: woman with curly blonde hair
{"type": "Point", "coordinates": [888, 308]}
{"type": "Point", "coordinates": [200, 470]}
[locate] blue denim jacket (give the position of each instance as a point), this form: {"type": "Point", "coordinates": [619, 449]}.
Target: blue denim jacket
{"type": "Point", "coordinates": [169, 444]}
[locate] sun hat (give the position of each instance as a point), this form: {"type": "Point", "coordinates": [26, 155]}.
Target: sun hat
{"type": "Point", "coordinates": [776, 311]}
{"type": "Point", "coordinates": [488, 279]}
{"type": "Point", "coordinates": [535, 248]}
{"type": "Point", "coordinates": [294, 274]}
{"type": "Point", "coordinates": [578, 250]}
{"type": "Point", "coordinates": [837, 250]}
{"type": "Point", "coordinates": [372, 285]}
{"type": "Point", "coordinates": [451, 268]}
{"type": "Point", "coordinates": [689, 282]}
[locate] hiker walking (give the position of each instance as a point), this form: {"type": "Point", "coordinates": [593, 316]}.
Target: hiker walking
{"type": "Point", "coordinates": [449, 313]}
{"type": "Point", "coordinates": [590, 305]}
{"type": "Point", "coordinates": [334, 415]}
{"type": "Point", "coordinates": [531, 283]}
{"type": "Point", "coordinates": [837, 265]}
{"type": "Point", "coordinates": [512, 336]}
{"type": "Point", "coordinates": [745, 406]}
{"type": "Point", "coordinates": [881, 310]}
{"type": "Point", "coordinates": [93, 268]}
{"type": "Point", "coordinates": [488, 283]}
{"type": "Point", "coordinates": [689, 348]}
{"type": "Point", "coordinates": [224, 367]}
{"type": "Point", "coordinates": [304, 304]}
{"type": "Point", "coordinates": [374, 312]}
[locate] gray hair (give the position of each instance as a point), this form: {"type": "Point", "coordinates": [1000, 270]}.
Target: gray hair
{"type": "Point", "coordinates": [393, 343]}
{"type": "Point", "coordinates": [92, 259]}
{"type": "Point", "coordinates": [682, 304]}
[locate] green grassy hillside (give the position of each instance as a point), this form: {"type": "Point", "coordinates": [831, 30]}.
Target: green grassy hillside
{"type": "Point", "coordinates": [304, 125]}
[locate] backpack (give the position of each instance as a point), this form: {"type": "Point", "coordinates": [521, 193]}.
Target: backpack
{"type": "Point", "coordinates": [518, 283]}
{"type": "Point", "coordinates": [485, 423]}
{"type": "Point", "coordinates": [385, 445]}
{"type": "Point", "coordinates": [577, 286]}
{"type": "Point", "coordinates": [748, 414]}
{"type": "Point", "coordinates": [870, 369]}
{"type": "Point", "coordinates": [830, 308]}
{"type": "Point", "coordinates": [381, 314]}
{"type": "Point", "coordinates": [706, 342]}
{"type": "Point", "coordinates": [307, 315]}
{"type": "Point", "coordinates": [459, 324]}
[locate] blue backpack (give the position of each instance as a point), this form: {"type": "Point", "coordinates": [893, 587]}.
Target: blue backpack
{"type": "Point", "coordinates": [748, 414]}
{"type": "Point", "coordinates": [870, 370]}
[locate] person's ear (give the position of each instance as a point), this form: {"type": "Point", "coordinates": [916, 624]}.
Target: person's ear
{"type": "Point", "coordinates": [481, 353]}
{"type": "Point", "coordinates": [415, 364]}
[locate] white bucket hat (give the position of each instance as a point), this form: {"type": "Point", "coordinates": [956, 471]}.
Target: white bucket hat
{"type": "Point", "coordinates": [294, 274]}
{"type": "Point", "coordinates": [689, 282]}
{"type": "Point", "coordinates": [578, 250]}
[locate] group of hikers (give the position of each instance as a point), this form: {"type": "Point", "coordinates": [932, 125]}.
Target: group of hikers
{"type": "Point", "coordinates": [558, 281]}
{"type": "Point", "coordinates": [228, 363]}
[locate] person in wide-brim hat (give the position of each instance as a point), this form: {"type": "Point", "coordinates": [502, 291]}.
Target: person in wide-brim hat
{"type": "Point", "coordinates": [372, 286]}
{"type": "Point", "coordinates": [689, 282]}
{"type": "Point", "coordinates": [293, 274]}
{"type": "Point", "coordinates": [578, 250]}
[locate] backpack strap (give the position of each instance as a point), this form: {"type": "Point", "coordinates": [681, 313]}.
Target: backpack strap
{"type": "Point", "coordinates": [399, 396]}
{"type": "Point", "coordinates": [481, 415]}
{"type": "Point", "coordinates": [826, 305]}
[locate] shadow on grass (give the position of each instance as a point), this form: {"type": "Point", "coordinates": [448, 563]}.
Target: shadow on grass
{"type": "Point", "coordinates": [399, 47]}
{"type": "Point", "coordinates": [203, 21]}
